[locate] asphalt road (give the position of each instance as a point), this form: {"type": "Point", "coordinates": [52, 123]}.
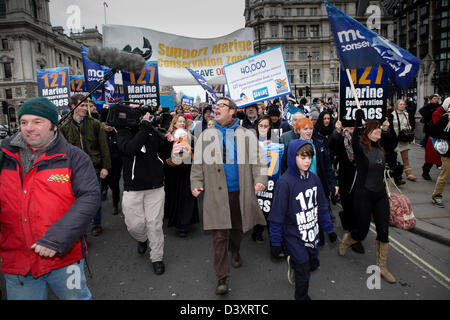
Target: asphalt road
{"type": "Point", "coordinates": [421, 267]}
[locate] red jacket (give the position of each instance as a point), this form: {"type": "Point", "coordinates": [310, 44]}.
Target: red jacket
{"type": "Point", "coordinates": [51, 206]}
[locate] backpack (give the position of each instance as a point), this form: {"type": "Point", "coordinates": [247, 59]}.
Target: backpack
{"type": "Point", "coordinates": [401, 213]}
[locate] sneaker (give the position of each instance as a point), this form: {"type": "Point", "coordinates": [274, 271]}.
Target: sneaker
{"type": "Point", "coordinates": [236, 260]}
{"type": "Point", "coordinates": [291, 271]}
{"type": "Point", "coordinates": [437, 201]}
{"type": "Point", "coordinates": [158, 267]}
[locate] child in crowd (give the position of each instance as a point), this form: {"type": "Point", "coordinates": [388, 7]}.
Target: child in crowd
{"type": "Point", "coordinates": [299, 205]}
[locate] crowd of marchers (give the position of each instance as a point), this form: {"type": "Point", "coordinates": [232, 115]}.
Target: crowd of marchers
{"type": "Point", "coordinates": [54, 177]}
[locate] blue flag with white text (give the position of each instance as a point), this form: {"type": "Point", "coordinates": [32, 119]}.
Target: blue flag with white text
{"type": "Point", "coordinates": [359, 47]}
{"type": "Point", "coordinates": [203, 83]}
{"type": "Point", "coordinates": [94, 73]}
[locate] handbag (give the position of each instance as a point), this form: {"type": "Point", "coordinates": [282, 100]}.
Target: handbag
{"type": "Point", "coordinates": [401, 213]}
{"type": "Point", "coordinates": [404, 135]}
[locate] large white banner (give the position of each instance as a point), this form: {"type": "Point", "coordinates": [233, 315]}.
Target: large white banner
{"type": "Point", "coordinates": [258, 78]}
{"type": "Point", "coordinates": [173, 52]}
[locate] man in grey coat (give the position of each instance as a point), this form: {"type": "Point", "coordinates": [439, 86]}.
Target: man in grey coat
{"type": "Point", "coordinates": [228, 164]}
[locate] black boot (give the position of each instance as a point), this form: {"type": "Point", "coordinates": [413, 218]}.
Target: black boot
{"type": "Point", "coordinates": [142, 247]}
{"type": "Point", "coordinates": [426, 171]}
{"type": "Point", "coordinates": [358, 248]}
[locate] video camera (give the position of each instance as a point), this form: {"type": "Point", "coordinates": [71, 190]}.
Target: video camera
{"type": "Point", "coordinates": [125, 114]}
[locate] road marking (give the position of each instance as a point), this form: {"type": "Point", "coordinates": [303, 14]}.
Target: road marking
{"type": "Point", "coordinates": [419, 262]}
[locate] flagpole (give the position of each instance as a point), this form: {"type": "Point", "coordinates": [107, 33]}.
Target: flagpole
{"type": "Point", "coordinates": [352, 85]}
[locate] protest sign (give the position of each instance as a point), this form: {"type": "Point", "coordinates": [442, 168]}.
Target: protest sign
{"type": "Point", "coordinates": [173, 52]}
{"type": "Point", "coordinates": [77, 84]}
{"type": "Point", "coordinates": [54, 85]}
{"type": "Point", "coordinates": [143, 87]}
{"type": "Point", "coordinates": [371, 90]}
{"type": "Point", "coordinates": [258, 78]}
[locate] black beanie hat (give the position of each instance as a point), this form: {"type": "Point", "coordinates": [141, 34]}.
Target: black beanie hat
{"type": "Point", "coordinates": [274, 111]}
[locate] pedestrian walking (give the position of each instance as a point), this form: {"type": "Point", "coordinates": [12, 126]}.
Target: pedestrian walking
{"type": "Point", "coordinates": [370, 194]}
{"type": "Point", "coordinates": [87, 134]}
{"type": "Point", "coordinates": [299, 206]}
{"type": "Point", "coordinates": [49, 194]}
{"type": "Point", "coordinates": [142, 149]}
{"type": "Point", "coordinates": [230, 176]}
{"type": "Point", "coordinates": [180, 206]}
{"type": "Point", "coordinates": [441, 130]}
{"type": "Point", "coordinates": [400, 121]}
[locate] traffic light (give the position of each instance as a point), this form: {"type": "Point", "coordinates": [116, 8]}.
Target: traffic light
{"type": "Point", "coordinates": [308, 91]}
{"type": "Point", "coordinates": [5, 107]}
{"type": "Point", "coordinates": [300, 92]}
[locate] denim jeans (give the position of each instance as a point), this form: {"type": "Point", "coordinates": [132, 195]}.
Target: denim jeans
{"type": "Point", "coordinates": [97, 220]}
{"type": "Point", "coordinates": [68, 283]}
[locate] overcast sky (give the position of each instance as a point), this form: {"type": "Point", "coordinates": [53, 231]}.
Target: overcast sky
{"type": "Point", "coordinates": [190, 18]}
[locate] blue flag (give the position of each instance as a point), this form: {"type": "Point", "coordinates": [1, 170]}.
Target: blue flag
{"type": "Point", "coordinates": [94, 73]}
{"type": "Point", "coordinates": [203, 83]}
{"type": "Point", "coordinates": [359, 47]}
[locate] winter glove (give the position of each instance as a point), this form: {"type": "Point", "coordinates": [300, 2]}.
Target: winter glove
{"type": "Point", "coordinates": [332, 236]}
{"type": "Point", "coordinates": [359, 117]}
{"type": "Point", "coordinates": [276, 252]}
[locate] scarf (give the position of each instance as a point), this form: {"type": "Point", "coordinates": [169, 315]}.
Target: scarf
{"type": "Point", "coordinates": [348, 144]}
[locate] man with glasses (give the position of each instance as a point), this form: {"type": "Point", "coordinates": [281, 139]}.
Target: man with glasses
{"type": "Point", "coordinates": [230, 167]}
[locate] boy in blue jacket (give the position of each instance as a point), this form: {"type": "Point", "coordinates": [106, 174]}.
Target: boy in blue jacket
{"type": "Point", "coordinates": [299, 205]}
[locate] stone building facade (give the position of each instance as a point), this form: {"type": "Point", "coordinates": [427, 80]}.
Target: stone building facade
{"type": "Point", "coordinates": [29, 42]}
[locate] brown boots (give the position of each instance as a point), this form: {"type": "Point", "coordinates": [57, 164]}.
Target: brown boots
{"type": "Point", "coordinates": [345, 243]}
{"type": "Point", "coordinates": [382, 254]}
{"type": "Point", "coordinates": [409, 174]}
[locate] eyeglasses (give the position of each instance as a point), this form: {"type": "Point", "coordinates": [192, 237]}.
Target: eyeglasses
{"type": "Point", "coordinates": [221, 105]}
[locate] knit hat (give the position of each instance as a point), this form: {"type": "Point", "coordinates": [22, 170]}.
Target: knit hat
{"type": "Point", "coordinates": [274, 111]}
{"type": "Point", "coordinates": [446, 104]}
{"type": "Point", "coordinates": [41, 107]}
{"type": "Point", "coordinates": [188, 116]}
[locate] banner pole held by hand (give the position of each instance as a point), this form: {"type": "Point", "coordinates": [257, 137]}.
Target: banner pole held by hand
{"type": "Point", "coordinates": [354, 91]}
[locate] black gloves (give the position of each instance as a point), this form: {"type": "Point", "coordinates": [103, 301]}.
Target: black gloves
{"type": "Point", "coordinates": [359, 116]}
{"type": "Point", "coordinates": [332, 236]}
{"type": "Point", "coordinates": [276, 252]}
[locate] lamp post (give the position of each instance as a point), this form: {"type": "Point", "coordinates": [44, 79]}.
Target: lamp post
{"type": "Point", "coordinates": [310, 76]}
{"type": "Point", "coordinates": [258, 17]}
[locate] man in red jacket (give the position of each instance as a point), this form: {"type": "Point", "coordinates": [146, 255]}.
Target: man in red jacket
{"type": "Point", "coordinates": [49, 194]}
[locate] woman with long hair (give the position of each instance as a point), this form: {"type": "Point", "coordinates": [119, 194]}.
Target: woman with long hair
{"type": "Point", "coordinates": [400, 121]}
{"type": "Point", "coordinates": [370, 193]}
{"type": "Point", "coordinates": [180, 207]}
{"type": "Point", "coordinates": [325, 125]}
{"type": "Point", "coordinates": [263, 128]}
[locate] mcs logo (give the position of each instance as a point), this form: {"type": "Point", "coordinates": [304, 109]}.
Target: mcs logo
{"type": "Point", "coordinates": [95, 73]}
{"type": "Point", "coordinates": [344, 36]}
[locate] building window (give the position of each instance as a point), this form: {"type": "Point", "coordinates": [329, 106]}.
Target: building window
{"type": "Point", "coordinates": [334, 74]}
{"type": "Point", "coordinates": [315, 52]}
{"type": "Point", "coordinates": [274, 31]}
{"type": "Point", "coordinates": [78, 63]}
{"type": "Point", "coordinates": [69, 61]}
{"type": "Point", "coordinates": [287, 32]}
{"type": "Point", "coordinates": [315, 75]}
{"type": "Point", "coordinates": [301, 32]}
{"type": "Point", "coordinates": [273, 11]}
{"type": "Point", "coordinates": [300, 12]}
{"type": "Point", "coordinates": [287, 12]}
{"type": "Point", "coordinates": [8, 93]}
{"type": "Point", "coordinates": [289, 54]}
{"type": "Point", "coordinates": [5, 45]}
{"type": "Point", "coordinates": [303, 75]}
{"type": "Point", "coordinates": [39, 47]}
{"type": "Point", "coordinates": [314, 31]}
{"type": "Point", "coordinates": [60, 58]}
{"type": "Point", "coordinates": [303, 53]}
{"type": "Point", "coordinates": [313, 11]}
{"type": "Point", "coordinates": [34, 9]}
{"type": "Point", "coordinates": [291, 75]}
{"type": "Point", "coordinates": [7, 70]}
{"type": "Point", "coordinates": [2, 7]}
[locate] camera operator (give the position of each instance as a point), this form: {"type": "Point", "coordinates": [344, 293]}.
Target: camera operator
{"type": "Point", "coordinates": [142, 149]}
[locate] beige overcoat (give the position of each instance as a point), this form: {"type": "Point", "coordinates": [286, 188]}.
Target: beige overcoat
{"type": "Point", "coordinates": [207, 172]}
